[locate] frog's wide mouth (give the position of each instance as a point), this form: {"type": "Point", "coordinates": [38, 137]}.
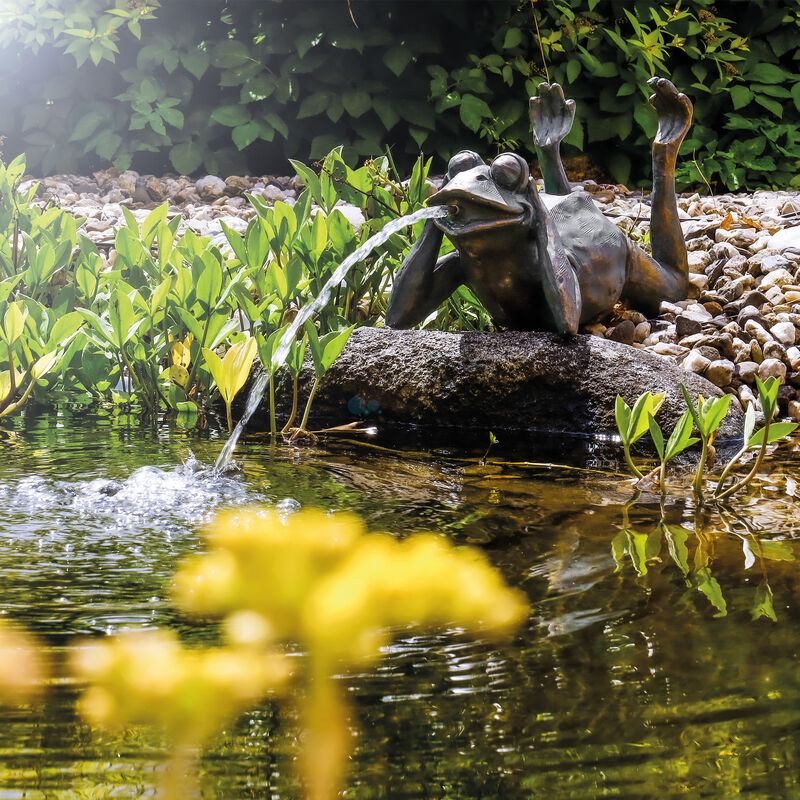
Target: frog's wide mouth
{"type": "Point", "coordinates": [469, 214]}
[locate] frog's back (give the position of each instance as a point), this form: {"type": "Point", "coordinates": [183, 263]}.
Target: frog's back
{"type": "Point", "coordinates": [597, 248]}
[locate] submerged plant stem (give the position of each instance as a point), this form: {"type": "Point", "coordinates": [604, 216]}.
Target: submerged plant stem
{"type": "Point", "coordinates": [697, 485]}
{"type": "Point", "coordinates": [293, 412]}
{"type": "Point", "coordinates": [629, 461]}
{"type": "Point", "coordinates": [273, 427]}
{"type": "Point", "coordinates": [750, 475]}
{"type": "Point", "coordinates": [307, 411]}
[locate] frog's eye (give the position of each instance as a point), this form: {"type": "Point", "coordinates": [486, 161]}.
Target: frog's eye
{"type": "Point", "coordinates": [510, 171]}
{"type": "Point", "coordinates": [463, 161]}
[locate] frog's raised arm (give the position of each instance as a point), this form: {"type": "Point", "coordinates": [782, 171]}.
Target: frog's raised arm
{"type": "Point", "coordinates": [559, 276]}
{"type": "Point", "coordinates": [559, 280]}
{"type": "Point", "coordinates": [423, 283]}
{"type": "Point", "coordinates": [551, 120]}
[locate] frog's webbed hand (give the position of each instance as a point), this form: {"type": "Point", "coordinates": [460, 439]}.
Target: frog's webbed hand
{"type": "Point", "coordinates": [674, 113]}
{"type": "Point", "coordinates": [551, 115]}
{"type": "Point", "coordinates": [665, 276]}
{"type": "Point", "coordinates": [551, 118]}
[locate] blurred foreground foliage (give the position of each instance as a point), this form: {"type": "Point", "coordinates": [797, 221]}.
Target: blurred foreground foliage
{"type": "Point", "coordinates": [312, 579]}
{"type": "Point", "coordinates": [199, 85]}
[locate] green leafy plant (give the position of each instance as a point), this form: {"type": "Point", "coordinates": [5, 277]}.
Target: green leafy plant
{"type": "Point", "coordinates": [221, 91]}
{"type": "Point", "coordinates": [231, 372]}
{"type": "Point", "coordinates": [324, 351]}
{"type": "Point", "coordinates": [771, 432]}
{"type": "Point", "coordinates": [707, 416]}
{"type": "Point", "coordinates": [680, 438]}
{"type": "Point", "coordinates": [632, 423]}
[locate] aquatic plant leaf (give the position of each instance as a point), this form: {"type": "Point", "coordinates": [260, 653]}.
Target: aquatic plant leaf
{"type": "Point", "coordinates": [46, 364]}
{"type": "Point", "coordinates": [297, 354]}
{"type": "Point", "coordinates": [709, 586]}
{"type": "Point", "coordinates": [776, 551]}
{"type": "Point", "coordinates": [235, 241]}
{"type": "Point", "coordinates": [310, 179]}
{"type": "Point", "coordinates": [101, 325]}
{"type": "Point", "coordinates": [647, 403]}
{"type": "Point", "coordinates": [777, 430]}
{"type": "Point", "coordinates": [749, 422]}
{"type": "Point", "coordinates": [230, 372]}
{"type": "Point", "coordinates": [207, 274]}
{"type": "Point", "coordinates": [622, 414]}
{"type": "Point", "coordinates": [14, 322]}
{"type": "Point", "coordinates": [191, 323]}
{"type": "Point", "coordinates": [333, 343]}
{"type": "Point", "coordinates": [676, 537]}
{"type": "Point", "coordinates": [214, 364]}
{"type": "Point", "coordinates": [619, 549]}
{"type": "Point", "coordinates": [267, 345]}
{"type": "Point", "coordinates": [681, 437]}
{"type": "Point", "coordinates": [715, 411]}
{"type": "Point", "coordinates": [179, 374]}
{"type": "Point", "coordinates": [637, 550]}
{"type": "Point", "coordinates": [762, 603]}
{"type": "Point", "coordinates": [768, 394]}
{"type": "Point", "coordinates": [656, 435]}
{"type": "Point", "coordinates": [691, 408]}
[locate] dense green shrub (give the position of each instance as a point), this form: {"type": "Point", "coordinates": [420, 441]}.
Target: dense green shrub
{"type": "Point", "coordinates": [238, 87]}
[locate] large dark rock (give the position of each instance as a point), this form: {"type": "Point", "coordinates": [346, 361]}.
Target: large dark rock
{"type": "Point", "coordinates": [500, 381]}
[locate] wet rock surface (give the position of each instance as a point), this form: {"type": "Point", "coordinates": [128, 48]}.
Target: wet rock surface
{"type": "Point", "coordinates": [741, 319]}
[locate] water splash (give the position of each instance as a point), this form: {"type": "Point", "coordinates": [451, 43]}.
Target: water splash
{"type": "Point", "coordinates": [285, 344]}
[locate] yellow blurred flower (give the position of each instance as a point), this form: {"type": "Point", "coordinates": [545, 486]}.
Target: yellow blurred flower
{"type": "Point", "coordinates": [321, 579]}
{"type": "Point", "coordinates": [150, 678]}
{"type": "Point", "coordinates": [21, 668]}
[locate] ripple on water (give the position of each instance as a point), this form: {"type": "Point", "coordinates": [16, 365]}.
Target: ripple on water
{"type": "Point", "coordinates": [94, 551]}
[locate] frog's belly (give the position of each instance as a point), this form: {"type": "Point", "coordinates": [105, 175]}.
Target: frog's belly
{"type": "Point", "coordinates": [515, 298]}
{"type": "Point", "coordinates": [598, 249]}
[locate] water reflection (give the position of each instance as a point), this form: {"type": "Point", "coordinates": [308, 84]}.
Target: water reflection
{"type": "Point", "coordinates": [623, 684]}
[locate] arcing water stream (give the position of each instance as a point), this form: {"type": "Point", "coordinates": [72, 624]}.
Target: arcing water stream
{"type": "Point", "coordinates": [339, 274]}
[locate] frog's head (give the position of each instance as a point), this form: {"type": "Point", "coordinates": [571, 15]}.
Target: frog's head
{"type": "Point", "coordinates": [483, 197]}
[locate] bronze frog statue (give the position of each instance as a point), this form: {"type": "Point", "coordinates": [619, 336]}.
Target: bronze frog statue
{"type": "Point", "coordinates": [546, 261]}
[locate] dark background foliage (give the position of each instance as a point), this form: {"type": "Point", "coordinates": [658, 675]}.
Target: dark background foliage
{"type": "Point", "coordinates": [237, 87]}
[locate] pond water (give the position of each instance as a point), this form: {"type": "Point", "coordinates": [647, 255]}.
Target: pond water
{"type": "Point", "coordinates": [626, 681]}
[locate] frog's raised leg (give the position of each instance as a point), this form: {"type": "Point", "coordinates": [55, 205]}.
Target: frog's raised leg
{"type": "Point", "coordinates": [423, 283]}
{"type": "Point", "coordinates": [551, 118]}
{"type": "Point", "coordinates": [665, 276]}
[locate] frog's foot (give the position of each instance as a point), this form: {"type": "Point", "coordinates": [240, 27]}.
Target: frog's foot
{"type": "Point", "coordinates": [674, 112]}
{"type": "Point", "coordinates": [551, 115]}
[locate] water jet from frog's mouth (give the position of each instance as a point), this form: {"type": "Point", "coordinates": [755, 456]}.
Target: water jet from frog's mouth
{"type": "Point", "coordinates": [308, 311]}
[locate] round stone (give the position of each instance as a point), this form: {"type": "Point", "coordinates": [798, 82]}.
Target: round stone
{"type": "Point", "coordinates": [695, 362]}
{"type": "Point", "coordinates": [720, 372]}
{"type": "Point", "coordinates": [210, 187]}
{"type": "Point", "coordinates": [746, 371]}
{"type": "Point", "coordinates": [623, 331]}
{"type": "Point", "coordinates": [784, 332]}
{"type": "Point", "coordinates": [772, 368]}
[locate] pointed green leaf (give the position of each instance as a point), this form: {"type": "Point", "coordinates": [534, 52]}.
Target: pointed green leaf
{"type": "Point", "coordinates": [656, 435]}
{"type": "Point", "coordinates": [777, 430]}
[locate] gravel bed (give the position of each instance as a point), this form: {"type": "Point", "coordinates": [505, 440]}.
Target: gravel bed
{"type": "Point", "coordinates": [741, 320]}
